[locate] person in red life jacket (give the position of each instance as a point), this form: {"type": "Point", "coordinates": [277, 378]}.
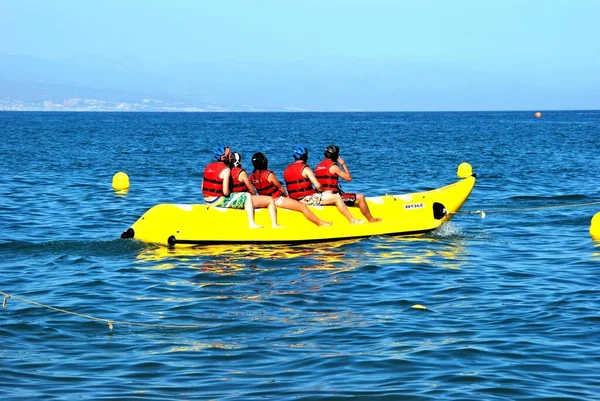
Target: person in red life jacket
{"type": "Point", "coordinates": [239, 177]}
{"type": "Point", "coordinates": [241, 183]}
{"type": "Point", "coordinates": [328, 173]}
{"type": "Point", "coordinates": [266, 183]}
{"type": "Point", "coordinates": [217, 191]}
{"type": "Point", "coordinates": [299, 180]}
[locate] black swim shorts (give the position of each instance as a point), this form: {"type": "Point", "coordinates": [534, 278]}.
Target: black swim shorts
{"type": "Point", "coordinates": [348, 198]}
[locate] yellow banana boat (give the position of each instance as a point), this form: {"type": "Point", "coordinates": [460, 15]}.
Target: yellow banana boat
{"type": "Point", "coordinates": [407, 214]}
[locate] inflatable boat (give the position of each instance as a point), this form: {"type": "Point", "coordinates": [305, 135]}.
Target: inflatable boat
{"type": "Point", "coordinates": [403, 214]}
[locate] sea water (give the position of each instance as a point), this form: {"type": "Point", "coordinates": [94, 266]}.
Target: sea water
{"type": "Point", "coordinates": [506, 307]}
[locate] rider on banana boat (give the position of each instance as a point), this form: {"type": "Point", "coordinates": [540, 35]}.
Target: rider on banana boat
{"type": "Point", "coordinates": [302, 185]}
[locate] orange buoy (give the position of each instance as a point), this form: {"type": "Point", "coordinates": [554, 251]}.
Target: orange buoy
{"type": "Point", "coordinates": [538, 114]}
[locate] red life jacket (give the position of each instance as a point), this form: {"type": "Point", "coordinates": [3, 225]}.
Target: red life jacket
{"type": "Point", "coordinates": [236, 184]}
{"type": "Point", "coordinates": [325, 178]}
{"type": "Point", "coordinates": [297, 186]}
{"type": "Point", "coordinates": [212, 184]}
{"type": "Point", "coordinates": [260, 180]}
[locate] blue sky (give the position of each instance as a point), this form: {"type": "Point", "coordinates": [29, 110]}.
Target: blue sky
{"type": "Point", "coordinates": [323, 55]}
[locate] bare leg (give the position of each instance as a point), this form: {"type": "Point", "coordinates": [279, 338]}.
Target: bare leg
{"type": "Point", "coordinates": [249, 207]}
{"type": "Point", "coordinates": [268, 202]}
{"type": "Point", "coordinates": [292, 204]}
{"type": "Point", "coordinates": [335, 199]}
{"type": "Point", "coordinates": [273, 213]}
{"type": "Point", "coordinates": [364, 208]}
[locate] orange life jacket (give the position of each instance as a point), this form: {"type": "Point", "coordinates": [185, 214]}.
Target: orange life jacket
{"type": "Point", "coordinates": [260, 180]}
{"type": "Point", "coordinates": [297, 186]}
{"type": "Point", "coordinates": [325, 178]}
{"type": "Point", "coordinates": [212, 184]}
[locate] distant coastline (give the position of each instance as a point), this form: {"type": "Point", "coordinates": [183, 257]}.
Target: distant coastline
{"type": "Point", "coordinates": [96, 106]}
{"type": "Point", "coordinates": [144, 105]}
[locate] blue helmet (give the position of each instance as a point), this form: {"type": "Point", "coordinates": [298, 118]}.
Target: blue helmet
{"type": "Point", "coordinates": [220, 151]}
{"type": "Point", "coordinates": [300, 152]}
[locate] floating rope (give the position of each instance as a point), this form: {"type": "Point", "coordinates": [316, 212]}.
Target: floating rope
{"type": "Point", "coordinates": [525, 209]}
{"type": "Point", "coordinates": [110, 323]}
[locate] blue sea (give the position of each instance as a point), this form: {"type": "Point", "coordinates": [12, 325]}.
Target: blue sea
{"type": "Point", "coordinates": [505, 307]}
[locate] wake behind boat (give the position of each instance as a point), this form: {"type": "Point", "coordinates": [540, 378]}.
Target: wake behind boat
{"type": "Point", "coordinates": [405, 214]}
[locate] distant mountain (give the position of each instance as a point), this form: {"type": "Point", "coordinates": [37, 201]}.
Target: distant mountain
{"type": "Point", "coordinates": [33, 81]}
{"type": "Point", "coordinates": [90, 82]}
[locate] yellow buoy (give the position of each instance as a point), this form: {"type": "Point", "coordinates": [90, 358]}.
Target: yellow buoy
{"type": "Point", "coordinates": [464, 170]}
{"type": "Point", "coordinates": [595, 227]}
{"type": "Point", "coordinates": [120, 181]}
{"type": "Point", "coordinates": [418, 306]}
{"type": "Point", "coordinates": [538, 114]}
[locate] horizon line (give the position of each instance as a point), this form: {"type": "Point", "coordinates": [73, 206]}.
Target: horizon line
{"type": "Point", "coordinates": [295, 111]}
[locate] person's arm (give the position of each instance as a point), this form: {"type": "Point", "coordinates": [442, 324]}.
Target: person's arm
{"type": "Point", "coordinates": [225, 174]}
{"type": "Point", "coordinates": [343, 172]}
{"type": "Point", "coordinates": [273, 180]}
{"type": "Point", "coordinates": [243, 177]}
{"type": "Point", "coordinates": [307, 173]}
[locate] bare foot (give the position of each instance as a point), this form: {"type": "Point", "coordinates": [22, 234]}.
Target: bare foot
{"type": "Point", "coordinates": [324, 223]}
{"type": "Point", "coordinates": [355, 221]}
{"type": "Point", "coordinates": [375, 220]}
{"type": "Point", "coordinates": [277, 226]}
{"type": "Point", "coordinates": [254, 225]}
